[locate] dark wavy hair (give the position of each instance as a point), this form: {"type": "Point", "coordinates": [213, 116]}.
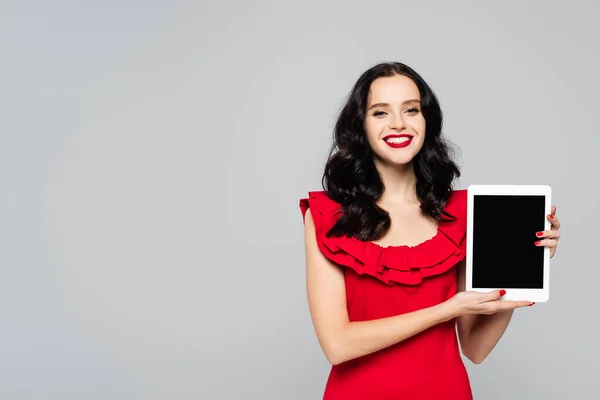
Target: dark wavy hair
{"type": "Point", "coordinates": [351, 179]}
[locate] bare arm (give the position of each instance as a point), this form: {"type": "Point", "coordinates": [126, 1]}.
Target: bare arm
{"type": "Point", "coordinates": [340, 339]}
{"type": "Point", "coordinates": [479, 333]}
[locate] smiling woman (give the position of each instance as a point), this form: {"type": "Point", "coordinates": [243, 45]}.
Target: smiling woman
{"type": "Point", "coordinates": [385, 251]}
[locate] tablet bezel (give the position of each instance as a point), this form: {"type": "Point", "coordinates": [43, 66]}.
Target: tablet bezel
{"type": "Point", "coordinates": [535, 295]}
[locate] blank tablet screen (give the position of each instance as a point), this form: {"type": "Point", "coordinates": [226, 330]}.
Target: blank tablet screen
{"type": "Point", "coordinates": [504, 253]}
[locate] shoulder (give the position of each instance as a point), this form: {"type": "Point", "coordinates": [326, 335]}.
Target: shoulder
{"type": "Point", "coordinates": [456, 229]}
{"type": "Point", "coordinates": [459, 195]}
{"type": "Point", "coordinates": [318, 202]}
{"type": "Point", "coordinates": [457, 204]}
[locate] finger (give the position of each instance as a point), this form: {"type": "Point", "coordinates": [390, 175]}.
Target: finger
{"type": "Point", "coordinates": [548, 234]}
{"type": "Point", "coordinates": [504, 305]}
{"type": "Point", "coordinates": [546, 243]}
{"type": "Point", "coordinates": [554, 221]}
{"type": "Point", "coordinates": [493, 295]}
{"type": "Point", "coordinates": [494, 306]}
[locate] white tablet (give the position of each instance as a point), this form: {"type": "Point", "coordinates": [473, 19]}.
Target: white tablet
{"type": "Point", "coordinates": [502, 221]}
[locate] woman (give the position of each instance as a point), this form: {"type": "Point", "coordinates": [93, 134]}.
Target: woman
{"type": "Point", "coordinates": [385, 251]}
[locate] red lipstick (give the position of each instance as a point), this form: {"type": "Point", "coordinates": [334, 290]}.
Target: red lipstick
{"type": "Point", "coordinates": [398, 145]}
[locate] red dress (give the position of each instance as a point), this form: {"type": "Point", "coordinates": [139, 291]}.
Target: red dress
{"type": "Point", "coordinates": [387, 281]}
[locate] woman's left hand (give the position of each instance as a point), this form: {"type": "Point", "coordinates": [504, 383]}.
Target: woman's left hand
{"type": "Point", "coordinates": [550, 238]}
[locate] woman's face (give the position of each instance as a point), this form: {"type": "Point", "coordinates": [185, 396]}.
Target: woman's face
{"type": "Point", "coordinates": [394, 124]}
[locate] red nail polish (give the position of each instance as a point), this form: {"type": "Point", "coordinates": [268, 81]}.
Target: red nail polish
{"type": "Point", "coordinates": [531, 304]}
{"type": "Point", "coordinates": [539, 233]}
{"type": "Point", "coordinates": [538, 242]}
{"type": "Point", "coordinates": [551, 216]}
{"type": "Point", "coordinates": [502, 292]}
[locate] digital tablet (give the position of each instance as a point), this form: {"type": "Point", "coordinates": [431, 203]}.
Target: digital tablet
{"type": "Point", "coordinates": [502, 221]}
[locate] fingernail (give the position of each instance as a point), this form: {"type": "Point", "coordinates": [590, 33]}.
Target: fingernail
{"type": "Point", "coordinates": [531, 304]}
{"type": "Point", "coordinates": [502, 292]}
{"type": "Point", "coordinates": [538, 242]}
{"type": "Point", "coordinates": [539, 233]}
{"type": "Point", "coordinates": [551, 216]}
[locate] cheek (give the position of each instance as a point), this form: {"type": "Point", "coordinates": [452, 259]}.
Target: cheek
{"type": "Point", "coordinates": [419, 124]}
{"type": "Point", "coordinates": [420, 127]}
{"type": "Point", "coordinates": [372, 130]}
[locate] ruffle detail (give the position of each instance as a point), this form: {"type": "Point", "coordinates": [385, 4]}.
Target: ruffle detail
{"type": "Point", "coordinates": [407, 265]}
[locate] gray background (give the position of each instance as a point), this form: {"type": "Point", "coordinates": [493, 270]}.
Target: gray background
{"type": "Point", "coordinates": [153, 155]}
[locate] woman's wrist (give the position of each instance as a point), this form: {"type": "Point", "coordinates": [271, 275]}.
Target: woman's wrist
{"type": "Point", "coordinates": [448, 310]}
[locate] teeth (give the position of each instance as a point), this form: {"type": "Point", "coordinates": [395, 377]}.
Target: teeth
{"type": "Point", "coordinates": [397, 140]}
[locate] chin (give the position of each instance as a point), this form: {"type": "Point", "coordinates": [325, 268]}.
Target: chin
{"type": "Point", "coordinates": [398, 160]}
{"type": "Point", "coordinates": [397, 156]}
{"type": "Point", "coordinates": [401, 162]}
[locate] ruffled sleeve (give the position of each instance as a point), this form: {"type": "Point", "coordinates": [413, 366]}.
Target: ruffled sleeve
{"type": "Point", "coordinates": [407, 265]}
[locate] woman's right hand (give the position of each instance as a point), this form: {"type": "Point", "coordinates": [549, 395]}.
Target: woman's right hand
{"type": "Point", "coordinates": [472, 302]}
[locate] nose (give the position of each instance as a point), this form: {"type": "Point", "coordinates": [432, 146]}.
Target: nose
{"type": "Point", "coordinates": [396, 122]}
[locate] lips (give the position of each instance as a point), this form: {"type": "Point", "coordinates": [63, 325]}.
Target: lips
{"type": "Point", "coordinates": [398, 141]}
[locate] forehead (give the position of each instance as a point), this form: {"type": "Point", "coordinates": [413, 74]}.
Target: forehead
{"type": "Point", "coordinates": [393, 89]}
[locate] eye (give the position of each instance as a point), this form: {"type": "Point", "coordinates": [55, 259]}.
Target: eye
{"type": "Point", "coordinates": [377, 113]}
{"type": "Point", "coordinates": [413, 110]}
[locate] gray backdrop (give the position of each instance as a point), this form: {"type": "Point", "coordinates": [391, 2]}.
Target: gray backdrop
{"type": "Point", "coordinates": [153, 154]}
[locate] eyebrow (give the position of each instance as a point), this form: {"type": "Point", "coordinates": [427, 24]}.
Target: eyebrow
{"type": "Point", "coordinates": [387, 105]}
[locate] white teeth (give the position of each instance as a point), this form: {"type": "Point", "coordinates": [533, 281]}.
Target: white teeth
{"type": "Point", "coordinates": [397, 139]}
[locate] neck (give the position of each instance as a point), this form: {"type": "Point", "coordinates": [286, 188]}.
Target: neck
{"type": "Point", "coordinates": [399, 182]}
